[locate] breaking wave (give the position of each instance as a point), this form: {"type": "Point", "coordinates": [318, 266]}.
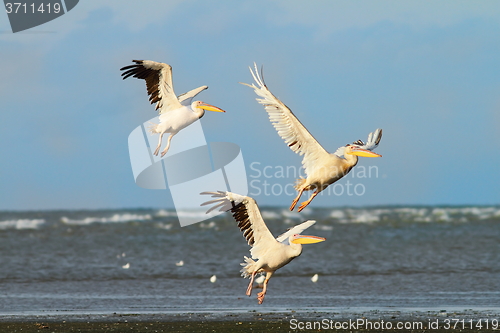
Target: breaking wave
{"type": "Point", "coordinates": [116, 218]}
{"type": "Point", "coordinates": [21, 224]}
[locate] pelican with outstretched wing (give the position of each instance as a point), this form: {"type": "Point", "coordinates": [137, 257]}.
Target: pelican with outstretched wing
{"type": "Point", "coordinates": [176, 113]}
{"type": "Point", "coordinates": [321, 167]}
{"type": "Point", "coordinates": [271, 253]}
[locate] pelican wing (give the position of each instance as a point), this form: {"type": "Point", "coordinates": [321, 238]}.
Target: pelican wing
{"type": "Point", "coordinates": [283, 238]}
{"type": "Point", "coordinates": [247, 214]}
{"type": "Point", "coordinates": [289, 128]}
{"type": "Point", "coordinates": [371, 143]}
{"type": "Point", "coordinates": [186, 98]}
{"type": "Point", "coordinates": [158, 77]}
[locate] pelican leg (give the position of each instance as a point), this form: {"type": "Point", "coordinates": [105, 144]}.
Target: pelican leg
{"type": "Point", "coordinates": [294, 202]}
{"type": "Point", "coordinates": [168, 145]}
{"type": "Point", "coordinates": [262, 294]}
{"type": "Point", "coordinates": [159, 145]}
{"type": "Point", "coordinates": [250, 285]}
{"type": "Point", "coordinates": [305, 203]}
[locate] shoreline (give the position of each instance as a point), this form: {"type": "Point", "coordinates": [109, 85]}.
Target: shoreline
{"type": "Point", "coordinates": [385, 320]}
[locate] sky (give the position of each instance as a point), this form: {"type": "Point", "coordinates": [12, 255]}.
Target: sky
{"type": "Point", "coordinates": [425, 72]}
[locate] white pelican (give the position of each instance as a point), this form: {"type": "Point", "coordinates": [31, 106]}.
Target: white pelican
{"type": "Point", "coordinates": [321, 167]}
{"type": "Point", "coordinates": [176, 113]}
{"type": "Point", "coordinates": [271, 253]}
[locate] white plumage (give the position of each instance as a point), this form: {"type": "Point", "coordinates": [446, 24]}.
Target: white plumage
{"type": "Point", "coordinates": [176, 113]}
{"type": "Point", "coordinates": [271, 253]}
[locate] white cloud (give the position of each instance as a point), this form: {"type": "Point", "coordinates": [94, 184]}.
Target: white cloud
{"type": "Point", "coordinates": [326, 16]}
{"type": "Point", "coordinates": [134, 14]}
{"type": "Point", "coordinates": [331, 16]}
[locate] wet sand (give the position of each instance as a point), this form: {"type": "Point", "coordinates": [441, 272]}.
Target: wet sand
{"type": "Point", "coordinates": [191, 327]}
{"type": "Point", "coordinates": [374, 321]}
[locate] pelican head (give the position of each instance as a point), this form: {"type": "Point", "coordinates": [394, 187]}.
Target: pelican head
{"type": "Point", "coordinates": [355, 150]}
{"type": "Point", "coordinates": [304, 239]}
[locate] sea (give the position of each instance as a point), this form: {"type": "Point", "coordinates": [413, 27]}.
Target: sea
{"type": "Point", "coordinates": [438, 258]}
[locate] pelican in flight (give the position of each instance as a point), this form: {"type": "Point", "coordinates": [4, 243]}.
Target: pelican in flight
{"type": "Point", "coordinates": [176, 113]}
{"type": "Point", "coordinates": [271, 253]}
{"type": "Point", "coordinates": [321, 167]}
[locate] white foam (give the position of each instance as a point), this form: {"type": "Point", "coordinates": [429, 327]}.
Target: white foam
{"type": "Point", "coordinates": [365, 217]}
{"type": "Point", "coordinates": [165, 226]}
{"type": "Point", "coordinates": [456, 214]}
{"type": "Point", "coordinates": [165, 213]}
{"type": "Point", "coordinates": [21, 224]}
{"type": "Point", "coordinates": [192, 214]}
{"type": "Point", "coordinates": [323, 227]}
{"type": "Point", "coordinates": [291, 215]}
{"type": "Point", "coordinates": [337, 214]}
{"type": "Point", "coordinates": [209, 225]}
{"type": "Point", "coordinates": [117, 218]}
{"type": "Point", "coordinates": [422, 219]}
{"type": "Point", "coordinates": [482, 212]}
{"type": "Point", "coordinates": [266, 214]}
{"type": "Point", "coordinates": [441, 214]}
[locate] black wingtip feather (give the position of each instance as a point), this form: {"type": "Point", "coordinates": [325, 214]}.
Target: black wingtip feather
{"type": "Point", "coordinates": [379, 137]}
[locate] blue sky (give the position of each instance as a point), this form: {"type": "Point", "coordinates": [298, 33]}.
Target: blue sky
{"type": "Point", "coordinates": [426, 72]}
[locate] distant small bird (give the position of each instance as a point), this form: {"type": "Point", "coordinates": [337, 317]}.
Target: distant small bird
{"type": "Point", "coordinates": [213, 279]}
{"type": "Point", "coordinates": [180, 263]}
{"type": "Point", "coordinates": [126, 266]}
{"type": "Point", "coordinates": [176, 112]}
{"type": "Point", "coordinates": [314, 278]}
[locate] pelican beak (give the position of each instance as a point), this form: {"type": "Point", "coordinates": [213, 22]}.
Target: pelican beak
{"type": "Point", "coordinates": [209, 107]}
{"type": "Point", "coordinates": [363, 152]}
{"type": "Point", "coordinates": [304, 239]}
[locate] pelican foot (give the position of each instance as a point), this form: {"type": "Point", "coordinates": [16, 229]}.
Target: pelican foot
{"type": "Point", "coordinates": [166, 148]}
{"type": "Point", "coordinates": [157, 151]}
{"type": "Point", "coordinates": [260, 297]}
{"type": "Point", "coordinates": [303, 205]}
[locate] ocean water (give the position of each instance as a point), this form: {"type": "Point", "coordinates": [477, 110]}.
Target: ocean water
{"type": "Point", "coordinates": [127, 261]}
